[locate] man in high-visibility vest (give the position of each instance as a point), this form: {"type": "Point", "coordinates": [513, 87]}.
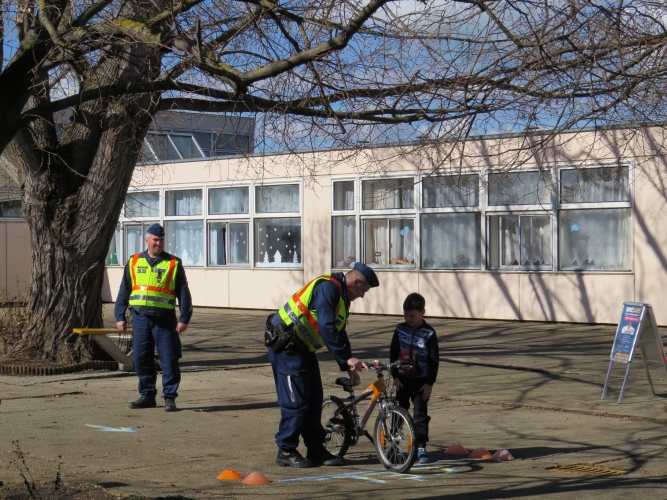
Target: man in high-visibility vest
{"type": "Point", "coordinates": [152, 282]}
{"type": "Point", "coordinates": [314, 317]}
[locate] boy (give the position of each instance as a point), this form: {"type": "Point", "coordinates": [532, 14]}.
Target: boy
{"type": "Point", "coordinates": [416, 345]}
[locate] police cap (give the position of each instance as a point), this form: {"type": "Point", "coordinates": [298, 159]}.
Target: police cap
{"type": "Point", "coordinates": [368, 273]}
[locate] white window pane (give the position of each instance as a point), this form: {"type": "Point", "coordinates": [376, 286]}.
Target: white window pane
{"type": "Point", "coordinates": [184, 202]}
{"type": "Point", "coordinates": [451, 191]}
{"type": "Point", "coordinates": [186, 146]}
{"type": "Point", "coordinates": [228, 201]}
{"type": "Point", "coordinates": [277, 199]}
{"type": "Point", "coordinates": [185, 239]}
{"type": "Point", "coordinates": [163, 147]}
{"type": "Point", "coordinates": [389, 242]}
{"type": "Point", "coordinates": [113, 255]}
{"type": "Point", "coordinates": [217, 241]}
{"type": "Point", "coordinates": [383, 194]}
{"type": "Point", "coordinates": [134, 239]}
{"type": "Point", "coordinates": [520, 188]}
{"type": "Point", "coordinates": [278, 242]}
{"type": "Point", "coordinates": [525, 241]}
{"type": "Point", "coordinates": [344, 195]}
{"type": "Point", "coordinates": [145, 204]}
{"type": "Point", "coordinates": [589, 185]}
{"type": "Point", "coordinates": [595, 239]}
{"type": "Point", "coordinates": [451, 241]}
{"type": "Point", "coordinates": [239, 242]}
{"type": "Point", "coordinates": [344, 241]}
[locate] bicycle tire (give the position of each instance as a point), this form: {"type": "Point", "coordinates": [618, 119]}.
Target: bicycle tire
{"type": "Point", "coordinates": [338, 429]}
{"type": "Point", "coordinates": [395, 439]}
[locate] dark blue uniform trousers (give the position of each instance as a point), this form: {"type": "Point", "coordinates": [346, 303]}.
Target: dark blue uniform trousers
{"type": "Point", "coordinates": [300, 397]}
{"type": "Point", "coordinates": [151, 332]}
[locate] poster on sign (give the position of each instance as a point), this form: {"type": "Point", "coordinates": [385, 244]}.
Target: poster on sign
{"type": "Point", "coordinates": [637, 329]}
{"type": "Point", "coordinates": [627, 333]}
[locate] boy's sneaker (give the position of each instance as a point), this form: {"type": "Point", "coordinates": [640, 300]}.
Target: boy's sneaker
{"type": "Point", "coordinates": [422, 456]}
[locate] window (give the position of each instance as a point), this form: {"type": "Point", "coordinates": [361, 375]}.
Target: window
{"type": "Point", "coordinates": [343, 193]}
{"type": "Point", "coordinates": [162, 147]}
{"type": "Point", "coordinates": [520, 188]}
{"type": "Point", "coordinates": [228, 201]}
{"type": "Point", "coordinates": [184, 202]}
{"type": "Point", "coordinates": [187, 146]}
{"type": "Point", "coordinates": [278, 242]}
{"type": "Point", "coordinates": [277, 199]}
{"type": "Point", "coordinates": [142, 204]}
{"type": "Point", "coordinates": [185, 239]}
{"type": "Point", "coordinates": [113, 255]}
{"type": "Point", "coordinates": [451, 241]}
{"type": "Point", "coordinates": [231, 144]}
{"type": "Point", "coordinates": [134, 238]}
{"type": "Point", "coordinates": [450, 191]}
{"type": "Point", "coordinates": [11, 208]}
{"type": "Point", "coordinates": [384, 194]}
{"type": "Point", "coordinates": [595, 219]}
{"type": "Point", "coordinates": [344, 241]}
{"type": "Point", "coordinates": [520, 241]}
{"type": "Point", "coordinates": [389, 242]}
{"type": "Point", "coordinates": [228, 243]}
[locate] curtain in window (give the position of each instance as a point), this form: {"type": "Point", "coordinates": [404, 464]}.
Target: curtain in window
{"type": "Point", "coordinates": [520, 188]}
{"type": "Point", "coordinates": [217, 233]}
{"type": "Point", "coordinates": [589, 185]}
{"type": "Point", "coordinates": [344, 241]}
{"type": "Point", "coordinates": [228, 201]}
{"type": "Point", "coordinates": [184, 202]}
{"type": "Point", "coordinates": [277, 242]}
{"type": "Point", "coordinates": [535, 240]}
{"type": "Point", "coordinates": [144, 204]}
{"type": "Point", "coordinates": [451, 191]}
{"type": "Point", "coordinates": [376, 241]}
{"type": "Point", "coordinates": [595, 239]}
{"type": "Point", "coordinates": [185, 239]}
{"type": "Point", "coordinates": [134, 239]}
{"type": "Point", "coordinates": [510, 241]}
{"type": "Point", "coordinates": [277, 199]}
{"type": "Point", "coordinates": [384, 194]}
{"type": "Point", "coordinates": [113, 255]}
{"type": "Point", "coordinates": [344, 195]}
{"type": "Point", "coordinates": [402, 242]}
{"type": "Point", "coordinates": [451, 241]}
{"type": "Point", "coordinates": [238, 243]}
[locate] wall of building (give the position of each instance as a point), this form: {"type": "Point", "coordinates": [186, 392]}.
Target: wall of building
{"type": "Point", "coordinates": [591, 296]}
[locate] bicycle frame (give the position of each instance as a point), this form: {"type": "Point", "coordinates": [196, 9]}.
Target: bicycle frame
{"type": "Point", "coordinates": [376, 391]}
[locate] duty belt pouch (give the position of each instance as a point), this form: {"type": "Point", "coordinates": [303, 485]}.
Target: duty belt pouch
{"type": "Point", "coordinates": [278, 338]}
{"type": "Point", "coordinates": [270, 334]}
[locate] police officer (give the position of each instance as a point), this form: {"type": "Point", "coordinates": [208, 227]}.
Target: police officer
{"type": "Point", "coordinates": [152, 282]}
{"type": "Point", "coordinates": [314, 317]}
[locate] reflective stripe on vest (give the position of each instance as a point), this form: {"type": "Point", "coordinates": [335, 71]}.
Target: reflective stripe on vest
{"type": "Point", "coordinates": [147, 289]}
{"type": "Point", "coordinates": [296, 312]}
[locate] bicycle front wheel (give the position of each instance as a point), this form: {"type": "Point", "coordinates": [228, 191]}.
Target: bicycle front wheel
{"type": "Point", "coordinates": [395, 439]}
{"type": "Point", "coordinates": [338, 428]}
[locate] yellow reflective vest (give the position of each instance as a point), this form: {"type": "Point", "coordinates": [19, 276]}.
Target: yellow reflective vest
{"type": "Point", "coordinates": [296, 312]}
{"type": "Point", "coordinates": [153, 286]}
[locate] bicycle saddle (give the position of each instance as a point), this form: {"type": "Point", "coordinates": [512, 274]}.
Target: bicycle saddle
{"type": "Point", "coordinates": [345, 383]}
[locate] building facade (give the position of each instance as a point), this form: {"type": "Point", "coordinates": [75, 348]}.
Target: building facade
{"type": "Point", "coordinates": [569, 235]}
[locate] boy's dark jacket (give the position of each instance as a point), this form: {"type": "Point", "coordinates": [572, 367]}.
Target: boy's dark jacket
{"type": "Point", "coordinates": [424, 345]}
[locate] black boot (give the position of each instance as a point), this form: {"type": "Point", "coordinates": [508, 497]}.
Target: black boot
{"type": "Point", "coordinates": [322, 456]}
{"type": "Point", "coordinates": [143, 402]}
{"type": "Point", "coordinates": [170, 405]}
{"type": "Point", "coordinates": [293, 459]}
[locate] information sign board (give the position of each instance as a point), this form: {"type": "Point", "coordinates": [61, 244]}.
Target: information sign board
{"type": "Point", "coordinates": [636, 329]}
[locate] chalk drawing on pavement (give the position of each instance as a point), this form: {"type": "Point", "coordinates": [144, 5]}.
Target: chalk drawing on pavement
{"type": "Point", "coordinates": [378, 476]}
{"type": "Point", "coordinates": [106, 428]}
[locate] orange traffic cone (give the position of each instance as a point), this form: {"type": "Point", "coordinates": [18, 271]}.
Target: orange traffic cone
{"type": "Point", "coordinates": [255, 478]}
{"type": "Point", "coordinates": [456, 449]}
{"type": "Point", "coordinates": [502, 456]}
{"type": "Point", "coordinates": [480, 453]}
{"type": "Point", "coordinates": [229, 475]}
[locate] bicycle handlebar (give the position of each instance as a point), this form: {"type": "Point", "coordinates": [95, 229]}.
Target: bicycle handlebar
{"type": "Point", "coordinates": [380, 367]}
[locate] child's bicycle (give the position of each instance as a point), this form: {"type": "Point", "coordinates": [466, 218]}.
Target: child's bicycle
{"type": "Point", "coordinates": [395, 439]}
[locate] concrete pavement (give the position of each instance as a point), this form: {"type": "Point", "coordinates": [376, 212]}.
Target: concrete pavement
{"type": "Point", "coordinates": [531, 388]}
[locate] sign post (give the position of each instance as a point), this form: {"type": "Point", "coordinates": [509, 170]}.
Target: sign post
{"type": "Point", "coordinates": [637, 328]}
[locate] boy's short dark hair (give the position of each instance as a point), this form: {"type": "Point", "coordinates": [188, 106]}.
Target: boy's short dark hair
{"type": "Point", "coordinates": [414, 302]}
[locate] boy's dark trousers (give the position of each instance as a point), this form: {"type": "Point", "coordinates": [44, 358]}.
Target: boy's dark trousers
{"type": "Point", "coordinates": [410, 392]}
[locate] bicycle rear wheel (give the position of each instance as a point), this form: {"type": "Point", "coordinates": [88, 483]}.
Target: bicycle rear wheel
{"type": "Point", "coordinates": [338, 428]}
{"type": "Point", "coordinates": [395, 439]}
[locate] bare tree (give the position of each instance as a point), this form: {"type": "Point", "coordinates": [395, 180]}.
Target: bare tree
{"type": "Point", "coordinates": [316, 74]}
